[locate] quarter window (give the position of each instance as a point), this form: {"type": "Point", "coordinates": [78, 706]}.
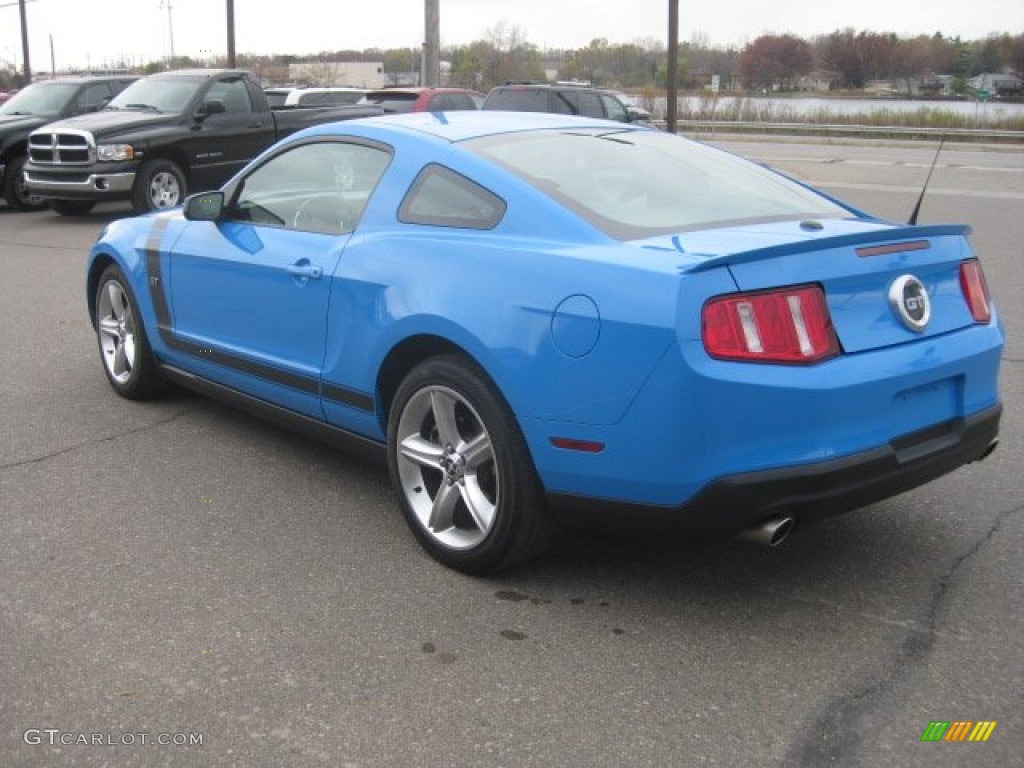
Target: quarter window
{"type": "Point", "coordinates": [442, 198]}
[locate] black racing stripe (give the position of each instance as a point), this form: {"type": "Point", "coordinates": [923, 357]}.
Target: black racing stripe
{"type": "Point", "coordinates": [348, 397]}
{"type": "Point", "coordinates": [307, 384]}
{"type": "Point", "coordinates": [155, 279]}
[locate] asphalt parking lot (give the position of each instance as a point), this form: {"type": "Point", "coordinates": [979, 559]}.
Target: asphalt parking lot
{"type": "Point", "coordinates": [182, 585]}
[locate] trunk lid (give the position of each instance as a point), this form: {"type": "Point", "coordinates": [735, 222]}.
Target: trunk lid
{"type": "Point", "coordinates": [856, 262]}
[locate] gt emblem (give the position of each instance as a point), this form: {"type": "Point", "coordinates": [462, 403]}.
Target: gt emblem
{"type": "Point", "coordinates": [909, 300]}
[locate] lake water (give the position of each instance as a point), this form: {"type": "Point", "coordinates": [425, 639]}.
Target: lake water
{"type": "Point", "coordinates": [783, 108]}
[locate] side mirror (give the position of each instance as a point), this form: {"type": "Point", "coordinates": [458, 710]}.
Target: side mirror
{"type": "Point", "coordinates": [637, 115]}
{"type": "Point", "coordinates": [206, 206]}
{"type": "Point", "coordinates": [211, 107]}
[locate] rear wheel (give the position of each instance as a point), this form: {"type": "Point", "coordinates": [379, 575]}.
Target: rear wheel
{"type": "Point", "coordinates": [160, 184]}
{"type": "Point", "coordinates": [124, 349]}
{"type": "Point", "coordinates": [465, 479]}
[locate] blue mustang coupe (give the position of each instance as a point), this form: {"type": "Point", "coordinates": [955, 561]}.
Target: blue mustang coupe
{"type": "Point", "coordinates": [541, 317]}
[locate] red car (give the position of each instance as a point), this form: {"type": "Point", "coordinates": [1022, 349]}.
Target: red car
{"type": "Point", "coordinates": [424, 99]}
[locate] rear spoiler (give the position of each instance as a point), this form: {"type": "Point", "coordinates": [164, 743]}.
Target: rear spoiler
{"type": "Point", "coordinates": [891, 235]}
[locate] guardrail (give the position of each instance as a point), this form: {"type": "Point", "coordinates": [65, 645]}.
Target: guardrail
{"type": "Point", "coordinates": [854, 131]}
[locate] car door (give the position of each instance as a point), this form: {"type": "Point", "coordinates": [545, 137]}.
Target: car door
{"type": "Point", "coordinates": [249, 293]}
{"type": "Point", "coordinates": [222, 142]}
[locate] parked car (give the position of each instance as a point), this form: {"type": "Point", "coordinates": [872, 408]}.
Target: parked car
{"type": "Point", "coordinates": [424, 99]}
{"type": "Point", "coordinates": [532, 316]}
{"type": "Point", "coordinates": [313, 96]}
{"type": "Point", "coordinates": [161, 137]}
{"type": "Point", "coordinates": [35, 106]}
{"type": "Point", "coordinates": [565, 99]}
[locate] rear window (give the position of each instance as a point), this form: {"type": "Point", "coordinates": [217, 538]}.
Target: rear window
{"type": "Point", "coordinates": [276, 98]}
{"type": "Point", "coordinates": [393, 102]}
{"type": "Point", "coordinates": [524, 100]}
{"type": "Point", "coordinates": [636, 184]}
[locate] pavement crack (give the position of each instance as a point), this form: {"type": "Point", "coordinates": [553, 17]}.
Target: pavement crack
{"type": "Point", "coordinates": [98, 441]}
{"type": "Point", "coordinates": [835, 735]}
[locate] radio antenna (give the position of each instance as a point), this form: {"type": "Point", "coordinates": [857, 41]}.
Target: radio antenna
{"type": "Point", "coordinates": [917, 208]}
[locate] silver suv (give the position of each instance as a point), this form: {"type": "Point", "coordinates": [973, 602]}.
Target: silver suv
{"type": "Point", "coordinates": [562, 98]}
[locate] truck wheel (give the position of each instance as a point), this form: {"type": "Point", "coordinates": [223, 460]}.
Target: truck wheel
{"type": "Point", "coordinates": [72, 207]}
{"type": "Point", "coordinates": [16, 191]}
{"type": "Point", "coordinates": [160, 184]}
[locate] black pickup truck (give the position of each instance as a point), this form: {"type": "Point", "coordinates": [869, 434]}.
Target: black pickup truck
{"type": "Point", "coordinates": [34, 107]}
{"type": "Point", "coordinates": [163, 137]}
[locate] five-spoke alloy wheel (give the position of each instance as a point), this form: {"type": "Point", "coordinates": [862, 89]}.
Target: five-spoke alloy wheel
{"type": "Point", "coordinates": [465, 479]}
{"type": "Point", "coordinates": [124, 348]}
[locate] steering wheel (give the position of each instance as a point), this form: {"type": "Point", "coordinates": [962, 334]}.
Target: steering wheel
{"type": "Point", "coordinates": [325, 214]}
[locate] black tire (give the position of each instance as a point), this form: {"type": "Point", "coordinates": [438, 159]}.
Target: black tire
{"type": "Point", "coordinates": [124, 348]}
{"type": "Point", "coordinates": [467, 486]}
{"type": "Point", "coordinates": [15, 192]}
{"type": "Point", "coordinates": [159, 184]}
{"type": "Point", "coordinates": [72, 207]}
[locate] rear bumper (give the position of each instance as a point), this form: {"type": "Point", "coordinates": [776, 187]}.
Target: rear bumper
{"type": "Point", "coordinates": [807, 492]}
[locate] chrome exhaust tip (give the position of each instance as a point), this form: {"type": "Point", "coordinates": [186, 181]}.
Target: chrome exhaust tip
{"type": "Point", "coordinates": [989, 451]}
{"type": "Point", "coordinates": [770, 533]}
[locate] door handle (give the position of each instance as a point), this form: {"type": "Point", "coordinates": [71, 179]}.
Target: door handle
{"type": "Point", "coordinates": [306, 270]}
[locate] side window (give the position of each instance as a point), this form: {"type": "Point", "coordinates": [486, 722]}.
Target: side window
{"type": "Point", "coordinates": [93, 98]}
{"type": "Point", "coordinates": [614, 108]}
{"type": "Point", "coordinates": [440, 197]}
{"type": "Point", "coordinates": [320, 187]}
{"type": "Point", "coordinates": [440, 103]}
{"type": "Point", "coordinates": [232, 94]}
{"type": "Point", "coordinates": [566, 102]}
{"type": "Point", "coordinates": [461, 101]}
{"type": "Point", "coordinates": [590, 104]}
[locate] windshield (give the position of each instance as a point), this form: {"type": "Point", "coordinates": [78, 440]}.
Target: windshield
{"type": "Point", "coordinates": [636, 184]}
{"type": "Point", "coordinates": [165, 94]}
{"type": "Point", "coordinates": [43, 99]}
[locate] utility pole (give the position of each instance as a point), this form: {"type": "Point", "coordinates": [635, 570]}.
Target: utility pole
{"type": "Point", "coordinates": [231, 34]}
{"type": "Point", "coordinates": [672, 87]}
{"type": "Point", "coordinates": [170, 27]}
{"type": "Point", "coordinates": [432, 44]}
{"type": "Point", "coordinates": [24, 43]}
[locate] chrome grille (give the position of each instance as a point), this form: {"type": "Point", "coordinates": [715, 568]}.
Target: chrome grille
{"type": "Point", "coordinates": [61, 148]}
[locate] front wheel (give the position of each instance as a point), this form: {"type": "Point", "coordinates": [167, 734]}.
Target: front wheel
{"type": "Point", "coordinates": [16, 190]}
{"type": "Point", "coordinates": [159, 184]}
{"type": "Point", "coordinates": [465, 479]}
{"type": "Point", "coordinates": [127, 358]}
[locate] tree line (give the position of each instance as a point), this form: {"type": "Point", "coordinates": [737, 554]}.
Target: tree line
{"type": "Point", "coordinates": [846, 59]}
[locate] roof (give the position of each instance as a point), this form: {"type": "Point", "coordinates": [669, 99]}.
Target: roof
{"type": "Point", "coordinates": [200, 72]}
{"type": "Point", "coordinates": [471, 124]}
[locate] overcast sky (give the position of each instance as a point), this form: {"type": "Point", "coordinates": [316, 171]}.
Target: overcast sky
{"type": "Point", "coordinates": [97, 32]}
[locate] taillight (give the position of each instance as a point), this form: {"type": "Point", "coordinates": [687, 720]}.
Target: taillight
{"type": "Point", "coordinates": [975, 290]}
{"type": "Point", "coordinates": [788, 325]}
